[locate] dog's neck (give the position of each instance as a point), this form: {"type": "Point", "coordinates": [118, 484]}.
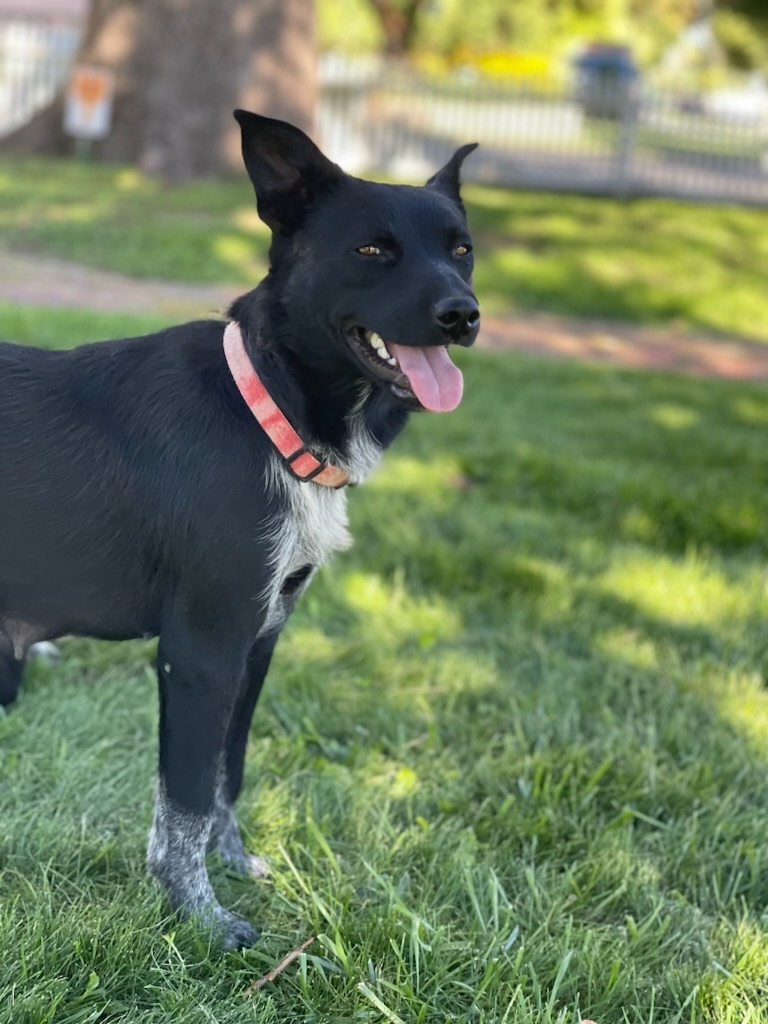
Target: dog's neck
{"type": "Point", "coordinates": [344, 418]}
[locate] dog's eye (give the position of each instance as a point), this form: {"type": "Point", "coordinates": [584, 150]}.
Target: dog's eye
{"type": "Point", "coordinates": [369, 250]}
{"type": "Point", "coordinates": [462, 250]}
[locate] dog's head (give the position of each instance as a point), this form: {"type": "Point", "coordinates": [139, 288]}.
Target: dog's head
{"type": "Point", "coordinates": [374, 279]}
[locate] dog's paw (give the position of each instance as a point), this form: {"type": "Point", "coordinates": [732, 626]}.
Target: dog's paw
{"type": "Point", "coordinates": [235, 932]}
{"type": "Point", "coordinates": [257, 867]}
{"type": "Point", "coordinates": [225, 929]}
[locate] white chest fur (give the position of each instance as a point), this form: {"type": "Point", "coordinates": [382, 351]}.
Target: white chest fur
{"type": "Point", "coordinates": [312, 531]}
{"type": "Point", "coordinates": [315, 526]}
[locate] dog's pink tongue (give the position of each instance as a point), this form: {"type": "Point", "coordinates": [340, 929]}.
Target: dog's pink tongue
{"type": "Point", "coordinates": [436, 382]}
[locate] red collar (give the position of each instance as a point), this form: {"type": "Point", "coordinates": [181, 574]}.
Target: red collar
{"type": "Point", "coordinates": [301, 462]}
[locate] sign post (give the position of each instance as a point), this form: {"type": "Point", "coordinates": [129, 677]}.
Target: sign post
{"type": "Point", "coordinates": [88, 105]}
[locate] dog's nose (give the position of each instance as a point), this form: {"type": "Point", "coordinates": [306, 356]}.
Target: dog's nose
{"type": "Point", "coordinates": [459, 318]}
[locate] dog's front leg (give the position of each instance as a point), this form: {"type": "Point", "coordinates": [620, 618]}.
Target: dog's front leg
{"type": "Point", "coordinates": [200, 675]}
{"type": "Point", "coordinates": [225, 836]}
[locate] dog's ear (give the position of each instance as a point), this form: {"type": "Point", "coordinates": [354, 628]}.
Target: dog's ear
{"type": "Point", "coordinates": [286, 168]}
{"type": "Point", "coordinates": [448, 178]}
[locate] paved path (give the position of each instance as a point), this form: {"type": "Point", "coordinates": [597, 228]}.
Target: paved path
{"type": "Point", "coordinates": [49, 282]}
{"type": "Point", "coordinates": [42, 281]}
{"type": "Point", "coordinates": [629, 345]}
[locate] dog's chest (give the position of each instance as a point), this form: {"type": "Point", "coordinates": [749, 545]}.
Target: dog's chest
{"type": "Point", "coordinates": [314, 523]}
{"type": "Point", "coordinates": [315, 528]}
{"type": "Point", "coordinates": [312, 529]}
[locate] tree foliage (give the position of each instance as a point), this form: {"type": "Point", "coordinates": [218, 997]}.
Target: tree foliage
{"type": "Point", "coordinates": [446, 27]}
{"type": "Point", "coordinates": [742, 30]}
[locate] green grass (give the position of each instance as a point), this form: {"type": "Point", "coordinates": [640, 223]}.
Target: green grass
{"type": "Point", "coordinates": [652, 260]}
{"type": "Point", "coordinates": [61, 328]}
{"type": "Point", "coordinates": [510, 764]}
{"type": "Point", "coordinates": [115, 218]}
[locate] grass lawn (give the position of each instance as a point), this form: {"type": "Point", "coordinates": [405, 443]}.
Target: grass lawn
{"type": "Point", "coordinates": [61, 328]}
{"type": "Point", "coordinates": [651, 260]}
{"type": "Point", "coordinates": [511, 764]}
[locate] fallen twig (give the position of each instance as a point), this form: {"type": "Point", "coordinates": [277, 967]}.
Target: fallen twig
{"type": "Point", "coordinates": [278, 968]}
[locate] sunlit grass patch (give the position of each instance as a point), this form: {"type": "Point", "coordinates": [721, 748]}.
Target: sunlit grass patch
{"type": "Point", "coordinates": [673, 417]}
{"type": "Point", "coordinates": [690, 591]}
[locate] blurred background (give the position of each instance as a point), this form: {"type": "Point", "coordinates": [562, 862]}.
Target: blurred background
{"type": "Point", "coordinates": [607, 96]}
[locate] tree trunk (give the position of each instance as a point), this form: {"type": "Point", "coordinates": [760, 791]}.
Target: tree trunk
{"type": "Point", "coordinates": [398, 20]}
{"type": "Point", "coordinates": [181, 67]}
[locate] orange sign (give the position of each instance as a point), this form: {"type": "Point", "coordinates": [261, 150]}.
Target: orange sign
{"type": "Point", "coordinates": [88, 86]}
{"type": "Point", "coordinates": [88, 102]}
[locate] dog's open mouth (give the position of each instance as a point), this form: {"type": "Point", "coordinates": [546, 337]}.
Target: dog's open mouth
{"type": "Point", "coordinates": [424, 377]}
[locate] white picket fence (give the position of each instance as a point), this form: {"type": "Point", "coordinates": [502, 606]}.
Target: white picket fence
{"type": "Point", "coordinates": [35, 57]}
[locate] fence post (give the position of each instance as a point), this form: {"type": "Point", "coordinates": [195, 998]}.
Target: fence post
{"type": "Point", "coordinates": [626, 137]}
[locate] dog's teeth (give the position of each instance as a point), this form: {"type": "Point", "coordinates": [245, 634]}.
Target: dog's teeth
{"type": "Point", "coordinates": [377, 344]}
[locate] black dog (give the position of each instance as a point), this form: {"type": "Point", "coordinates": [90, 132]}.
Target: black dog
{"type": "Point", "coordinates": [187, 484]}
